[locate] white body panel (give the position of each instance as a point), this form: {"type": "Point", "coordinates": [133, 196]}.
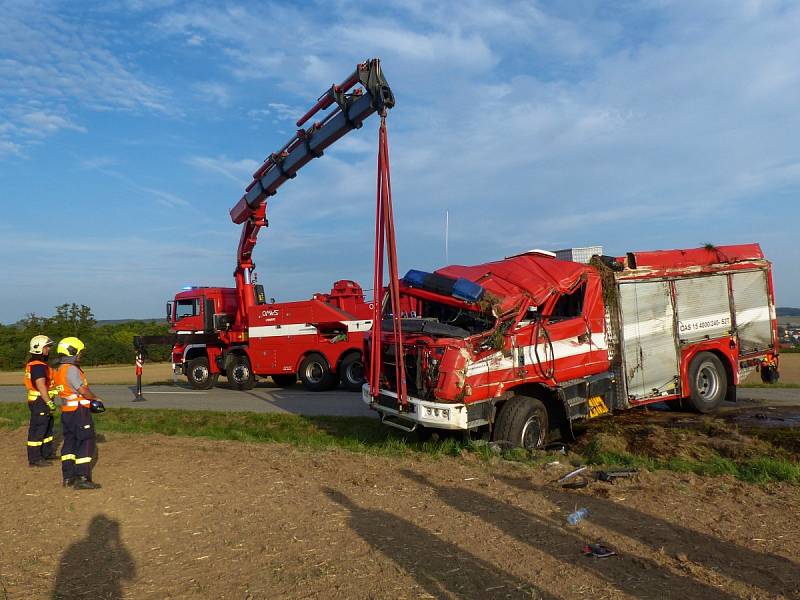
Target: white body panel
{"type": "Point", "coordinates": [650, 357]}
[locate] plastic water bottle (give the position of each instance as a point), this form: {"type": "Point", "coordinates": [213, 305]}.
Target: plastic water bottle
{"type": "Point", "coordinates": [578, 516]}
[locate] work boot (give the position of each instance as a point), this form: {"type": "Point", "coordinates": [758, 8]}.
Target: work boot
{"type": "Point", "coordinates": [68, 482]}
{"type": "Point", "coordinates": [39, 463]}
{"type": "Point", "coordinates": [82, 483]}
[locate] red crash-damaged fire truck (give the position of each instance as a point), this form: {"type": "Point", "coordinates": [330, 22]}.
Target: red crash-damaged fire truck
{"type": "Point", "coordinates": [523, 347]}
{"type": "Point", "coordinates": [235, 331]}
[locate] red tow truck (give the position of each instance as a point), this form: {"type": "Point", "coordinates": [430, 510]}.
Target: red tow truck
{"type": "Point", "coordinates": [235, 331]}
{"type": "Point", "coordinates": [522, 348]}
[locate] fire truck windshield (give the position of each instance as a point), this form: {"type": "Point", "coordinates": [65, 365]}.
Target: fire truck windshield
{"type": "Point", "coordinates": [473, 321]}
{"type": "Point", "coordinates": [187, 307]}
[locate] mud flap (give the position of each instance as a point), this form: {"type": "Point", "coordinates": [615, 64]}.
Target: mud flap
{"type": "Point", "coordinates": [586, 399]}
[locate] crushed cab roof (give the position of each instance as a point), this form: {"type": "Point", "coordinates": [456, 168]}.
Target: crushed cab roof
{"type": "Point", "coordinates": [532, 274]}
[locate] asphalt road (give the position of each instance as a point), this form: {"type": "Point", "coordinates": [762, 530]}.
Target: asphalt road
{"type": "Point", "coordinates": [266, 398]}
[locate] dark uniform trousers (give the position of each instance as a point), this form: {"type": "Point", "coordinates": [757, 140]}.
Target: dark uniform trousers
{"type": "Point", "coordinates": [76, 453]}
{"type": "Point", "coordinates": [40, 431]}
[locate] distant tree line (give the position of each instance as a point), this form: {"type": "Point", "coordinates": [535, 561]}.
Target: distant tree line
{"type": "Point", "coordinates": [105, 343]}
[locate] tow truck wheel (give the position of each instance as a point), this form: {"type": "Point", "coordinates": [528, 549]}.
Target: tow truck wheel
{"type": "Point", "coordinates": [284, 380]}
{"type": "Point", "coordinates": [315, 373]}
{"type": "Point", "coordinates": [240, 374]}
{"type": "Point", "coordinates": [351, 372]}
{"type": "Point", "coordinates": [522, 422]}
{"type": "Point", "coordinates": [708, 383]}
{"type": "Point", "coordinates": [199, 374]}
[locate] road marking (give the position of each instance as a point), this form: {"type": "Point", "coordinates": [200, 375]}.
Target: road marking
{"type": "Point", "coordinates": [149, 392]}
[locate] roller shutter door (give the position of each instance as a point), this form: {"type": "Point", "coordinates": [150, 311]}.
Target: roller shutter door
{"type": "Point", "coordinates": [648, 331]}
{"type": "Point", "coordinates": [751, 303]}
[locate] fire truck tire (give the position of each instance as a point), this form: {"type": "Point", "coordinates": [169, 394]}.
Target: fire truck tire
{"type": "Point", "coordinates": [522, 422]}
{"type": "Point", "coordinates": [199, 374]}
{"type": "Point", "coordinates": [351, 372]}
{"type": "Point", "coordinates": [315, 373]}
{"type": "Point", "coordinates": [240, 374]}
{"type": "Point", "coordinates": [708, 383]}
{"type": "Point", "coordinates": [284, 380]}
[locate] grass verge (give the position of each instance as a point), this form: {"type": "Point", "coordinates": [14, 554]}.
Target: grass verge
{"type": "Point", "coordinates": [365, 435]}
{"type": "Point", "coordinates": [758, 469]}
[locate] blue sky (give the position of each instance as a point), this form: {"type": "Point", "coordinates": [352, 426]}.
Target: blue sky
{"type": "Point", "coordinates": [128, 129]}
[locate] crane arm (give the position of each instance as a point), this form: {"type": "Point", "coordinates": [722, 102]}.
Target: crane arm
{"type": "Point", "coordinates": [352, 108]}
{"type": "Point", "coordinates": [353, 105]}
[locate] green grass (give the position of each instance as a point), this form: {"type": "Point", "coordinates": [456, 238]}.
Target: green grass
{"type": "Point", "coordinates": [760, 469]}
{"type": "Point", "coordinates": [364, 435]}
{"type": "Point", "coordinates": [358, 434]}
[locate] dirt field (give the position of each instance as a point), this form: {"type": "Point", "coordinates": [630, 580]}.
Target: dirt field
{"type": "Point", "coordinates": [184, 518]}
{"type": "Point", "coordinates": [114, 374]}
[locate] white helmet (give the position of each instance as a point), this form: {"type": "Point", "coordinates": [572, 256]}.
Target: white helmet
{"type": "Point", "coordinates": [38, 344]}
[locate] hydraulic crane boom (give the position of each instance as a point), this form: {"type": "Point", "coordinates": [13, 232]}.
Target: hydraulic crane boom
{"type": "Point", "coordinates": [352, 107]}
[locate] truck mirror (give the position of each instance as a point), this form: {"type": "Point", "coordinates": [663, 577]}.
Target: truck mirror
{"type": "Point", "coordinates": [169, 312]}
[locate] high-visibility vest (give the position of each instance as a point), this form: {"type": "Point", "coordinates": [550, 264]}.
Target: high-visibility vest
{"type": "Point", "coordinates": [70, 398]}
{"type": "Point", "coordinates": [33, 393]}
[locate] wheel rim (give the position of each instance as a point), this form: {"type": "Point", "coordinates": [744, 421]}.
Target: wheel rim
{"type": "Point", "coordinates": [532, 433]}
{"type": "Point", "coordinates": [707, 381]}
{"type": "Point", "coordinates": [241, 373]}
{"type": "Point", "coordinates": [355, 372]}
{"type": "Point", "coordinates": [200, 374]}
{"type": "Point", "coordinates": [315, 372]}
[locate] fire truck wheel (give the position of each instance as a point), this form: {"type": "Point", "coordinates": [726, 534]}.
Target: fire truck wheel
{"type": "Point", "coordinates": [199, 375]}
{"type": "Point", "coordinates": [351, 371]}
{"type": "Point", "coordinates": [240, 374]}
{"type": "Point", "coordinates": [284, 380]}
{"type": "Point", "coordinates": [315, 373]}
{"type": "Point", "coordinates": [708, 383]}
{"type": "Point", "coordinates": [522, 422]}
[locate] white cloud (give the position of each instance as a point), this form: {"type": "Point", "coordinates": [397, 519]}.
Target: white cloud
{"type": "Point", "coordinates": [214, 92]}
{"type": "Point", "coordinates": [167, 199]}
{"type": "Point", "coordinates": [41, 124]}
{"type": "Point", "coordinates": [51, 65]}
{"type": "Point", "coordinates": [284, 111]}
{"type": "Point", "coordinates": [239, 171]}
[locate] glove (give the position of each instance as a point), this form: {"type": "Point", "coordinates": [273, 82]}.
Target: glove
{"type": "Point", "coordinates": [52, 393]}
{"type": "Point", "coordinates": [51, 405]}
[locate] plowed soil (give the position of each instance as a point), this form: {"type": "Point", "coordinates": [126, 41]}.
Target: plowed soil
{"type": "Point", "coordinates": [193, 518]}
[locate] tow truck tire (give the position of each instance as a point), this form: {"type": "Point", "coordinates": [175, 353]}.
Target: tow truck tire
{"type": "Point", "coordinates": [351, 372]}
{"type": "Point", "coordinates": [522, 423]}
{"type": "Point", "coordinates": [199, 374]}
{"type": "Point", "coordinates": [284, 381]}
{"type": "Point", "coordinates": [708, 383]}
{"type": "Point", "coordinates": [315, 373]}
{"type": "Point", "coordinates": [240, 374]}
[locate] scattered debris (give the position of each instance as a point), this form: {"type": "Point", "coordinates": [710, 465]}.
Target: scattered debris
{"type": "Point", "coordinates": [611, 476]}
{"type": "Point", "coordinates": [598, 550]}
{"type": "Point", "coordinates": [572, 474]}
{"type": "Point", "coordinates": [578, 516]}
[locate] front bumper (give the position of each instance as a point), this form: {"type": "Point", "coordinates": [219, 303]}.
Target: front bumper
{"type": "Point", "coordinates": [436, 415]}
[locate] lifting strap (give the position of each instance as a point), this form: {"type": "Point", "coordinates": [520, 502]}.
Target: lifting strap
{"type": "Point", "coordinates": [386, 249]}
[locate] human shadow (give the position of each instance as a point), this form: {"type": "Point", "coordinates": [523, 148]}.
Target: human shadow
{"type": "Point", "coordinates": [637, 576]}
{"type": "Point", "coordinates": [95, 566]}
{"type": "Point", "coordinates": [773, 574]}
{"type": "Point", "coordinates": [440, 567]}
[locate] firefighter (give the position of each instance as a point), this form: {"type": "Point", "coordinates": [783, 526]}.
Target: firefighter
{"type": "Point", "coordinates": [38, 378]}
{"type": "Point", "coordinates": [78, 402]}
